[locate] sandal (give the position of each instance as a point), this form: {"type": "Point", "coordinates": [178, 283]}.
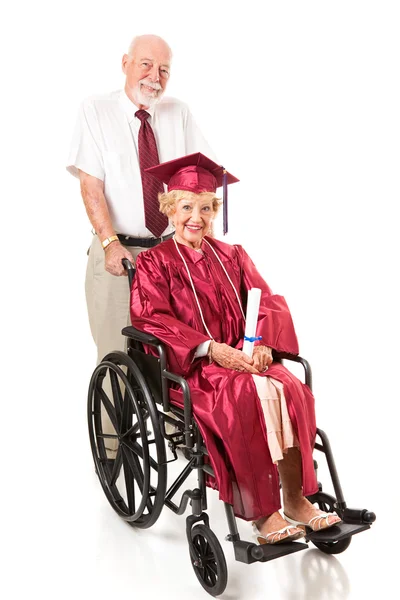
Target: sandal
{"type": "Point", "coordinates": [315, 522]}
{"type": "Point", "coordinates": [275, 535]}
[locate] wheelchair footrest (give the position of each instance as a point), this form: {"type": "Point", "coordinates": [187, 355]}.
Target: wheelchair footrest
{"type": "Point", "coordinates": [335, 533]}
{"type": "Point", "coordinates": [248, 552]}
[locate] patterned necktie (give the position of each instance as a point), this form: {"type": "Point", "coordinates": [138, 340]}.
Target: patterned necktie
{"type": "Point", "coordinates": [148, 157]}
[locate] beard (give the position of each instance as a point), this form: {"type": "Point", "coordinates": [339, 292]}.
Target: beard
{"type": "Point", "coordinates": [147, 98]}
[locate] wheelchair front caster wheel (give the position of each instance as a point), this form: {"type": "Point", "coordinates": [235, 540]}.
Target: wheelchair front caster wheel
{"type": "Point", "coordinates": [208, 560]}
{"type": "Point", "coordinates": [333, 547]}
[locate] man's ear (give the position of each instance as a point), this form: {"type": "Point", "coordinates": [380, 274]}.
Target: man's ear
{"type": "Point", "coordinates": [124, 62]}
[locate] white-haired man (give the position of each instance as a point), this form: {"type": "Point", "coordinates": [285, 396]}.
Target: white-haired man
{"type": "Point", "coordinates": [113, 139]}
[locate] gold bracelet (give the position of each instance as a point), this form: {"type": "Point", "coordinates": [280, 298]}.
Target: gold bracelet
{"type": "Point", "coordinates": [108, 241]}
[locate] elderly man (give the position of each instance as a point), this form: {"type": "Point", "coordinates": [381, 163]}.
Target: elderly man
{"type": "Point", "coordinates": [117, 136]}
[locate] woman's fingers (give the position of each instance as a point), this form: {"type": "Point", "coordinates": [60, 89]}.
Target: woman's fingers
{"type": "Point", "coordinates": [242, 362]}
{"type": "Point", "coordinates": [250, 369]}
{"type": "Point", "coordinates": [231, 358]}
{"type": "Point", "coordinates": [244, 357]}
{"type": "Point", "coordinates": [262, 356]}
{"type": "Point", "coordinates": [258, 362]}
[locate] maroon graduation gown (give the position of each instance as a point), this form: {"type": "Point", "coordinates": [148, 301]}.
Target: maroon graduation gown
{"type": "Point", "coordinates": [225, 402]}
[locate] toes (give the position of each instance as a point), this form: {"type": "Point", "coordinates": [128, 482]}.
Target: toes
{"type": "Point", "coordinates": [328, 522]}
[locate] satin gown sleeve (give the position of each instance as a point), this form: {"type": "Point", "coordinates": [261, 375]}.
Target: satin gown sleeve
{"type": "Point", "coordinates": [275, 323]}
{"type": "Point", "coordinates": [152, 312]}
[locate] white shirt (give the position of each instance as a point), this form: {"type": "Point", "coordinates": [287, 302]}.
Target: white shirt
{"type": "Point", "coordinates": [105, 145]}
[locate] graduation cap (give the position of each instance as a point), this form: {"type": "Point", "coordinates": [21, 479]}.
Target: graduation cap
{"type": "Point", "coordinates": [195, 173]}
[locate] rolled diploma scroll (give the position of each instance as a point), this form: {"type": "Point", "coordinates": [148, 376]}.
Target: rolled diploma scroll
{"type": "Point", "coordinates": [253, 305]}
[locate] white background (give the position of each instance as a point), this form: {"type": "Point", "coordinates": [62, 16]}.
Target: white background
{"type": "Point", "coordinates": [300, 100]}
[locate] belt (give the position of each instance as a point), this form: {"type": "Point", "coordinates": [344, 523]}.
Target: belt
{"type": "Point", "coordinates": [127, 240]}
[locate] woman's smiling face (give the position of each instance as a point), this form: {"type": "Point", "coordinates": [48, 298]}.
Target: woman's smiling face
{"type": "Point", "coordinates": [192, 219]}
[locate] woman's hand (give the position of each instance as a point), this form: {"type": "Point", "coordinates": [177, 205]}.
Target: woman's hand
{"type": "Point", "coordinates": [262, 358]}
{"type": "Point", "coordinates": [230, 358]}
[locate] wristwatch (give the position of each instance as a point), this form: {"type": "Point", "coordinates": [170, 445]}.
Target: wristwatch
{"type": "Point", "coordinates": [108, 241]}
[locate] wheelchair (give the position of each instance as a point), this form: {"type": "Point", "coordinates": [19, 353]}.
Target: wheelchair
{"type": "Point", "coordinates": [135, 481]}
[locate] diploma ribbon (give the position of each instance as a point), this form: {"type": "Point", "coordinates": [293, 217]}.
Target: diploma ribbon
{"type": "Point", "coordinates": [252, 339]}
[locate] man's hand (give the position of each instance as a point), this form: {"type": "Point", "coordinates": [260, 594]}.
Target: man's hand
{"type": "Point", "coordinates": [230, 358]}
{"type": "Point", "coordinates": [262, 357]}
{"type": "Point", "coordinates": [115, 252]}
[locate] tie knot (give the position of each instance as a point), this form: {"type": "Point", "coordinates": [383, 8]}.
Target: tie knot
{"type": "Point", "coordinates": [142, 115]}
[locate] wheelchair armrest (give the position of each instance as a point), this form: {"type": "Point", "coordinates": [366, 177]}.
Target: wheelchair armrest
{"type": "Point", "coordinates": [187, 404]}
{"type": "Point", "coordinates": [278, 356]}
{"type": "Point", "coordinates": [141, 336]}
{"type": "Point", "coordinates": [152, 340]}
{"type": "Point", "coordinates": [287, 356]}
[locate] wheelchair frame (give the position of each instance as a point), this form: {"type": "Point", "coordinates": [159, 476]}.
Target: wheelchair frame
{"type": "Point", "coordinates": [145, 380]}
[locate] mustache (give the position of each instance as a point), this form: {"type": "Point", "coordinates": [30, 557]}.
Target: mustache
{"type": "Point", "coordinates": [154, 86]}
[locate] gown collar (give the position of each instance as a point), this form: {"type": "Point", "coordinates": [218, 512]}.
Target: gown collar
{"type": "Point", "coordinates": [191, 254]}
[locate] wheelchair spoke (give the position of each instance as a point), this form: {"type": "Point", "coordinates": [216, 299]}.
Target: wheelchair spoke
{"type": "Point", "coordinates": [109, 407]}
{"type": "Point", "coordinates": [211, 576]}
{"type": "Point", "coordinates": [138, 474]}
{"type": "Point", "coordinates": [138, 450]}
{"type": "Point", "coordinates": [212, 565]}
{"type": "Point", "coordinates": [198, 546]}
{"type": "Point", "coordinates": [117, 396]}
{"type": "Point", "coordinates": [145, 416]}
{"type": "Point", "coordinates": [203, 546]}
{"type": "Point", "coordinates": [134, 429]}
{"type": "Point", "coordinates": [115, 471]}
{"type": "Point", "coordinates": [127, 412]}
{"type": "Point", "coordinates": [129, 483]}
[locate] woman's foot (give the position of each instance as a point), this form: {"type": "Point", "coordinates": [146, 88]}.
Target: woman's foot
{"type": "Point", "coordinates": [274, 529]}
{"type": "Point", "coordinates": [302, 511]}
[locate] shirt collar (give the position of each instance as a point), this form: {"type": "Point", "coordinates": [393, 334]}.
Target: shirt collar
{"type": "Point", "coordinates": [130, 108]}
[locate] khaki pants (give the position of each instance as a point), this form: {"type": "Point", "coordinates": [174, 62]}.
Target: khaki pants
{"type": "Point", "coordinates": [107, 300]}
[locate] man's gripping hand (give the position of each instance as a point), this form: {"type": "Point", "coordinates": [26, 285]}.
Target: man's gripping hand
{"type": "Point", "coordinates": [114, 253]}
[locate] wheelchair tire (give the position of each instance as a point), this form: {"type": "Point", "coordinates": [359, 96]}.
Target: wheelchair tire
{"type": "Point", "coordinates": [333, 547]}
{"type": "Point", "coordinates": [135, 481]}
{"type": "Point", "coordinates": [208, 560]}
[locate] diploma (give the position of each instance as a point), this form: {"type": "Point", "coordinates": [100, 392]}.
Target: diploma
{"type": "Point", "coordinates": [253, 305]}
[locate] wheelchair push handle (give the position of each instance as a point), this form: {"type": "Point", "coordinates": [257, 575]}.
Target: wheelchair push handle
{"type": "Point", "coordinates": [128, 266]}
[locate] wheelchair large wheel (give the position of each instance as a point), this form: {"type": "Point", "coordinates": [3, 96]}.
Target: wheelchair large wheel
{"type": "Point", "coordinates": [135, 480]}
{"type": "Point", "coordinates": [326, 502]}
{"type": "Point", "coordinates": [208, 560]}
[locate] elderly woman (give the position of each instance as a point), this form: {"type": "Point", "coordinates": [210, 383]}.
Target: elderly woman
{"type": "Point", "coordinates": [256, 418]}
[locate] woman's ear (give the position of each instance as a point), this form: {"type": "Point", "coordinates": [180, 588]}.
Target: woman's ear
{"type": "Point", "coordinates": [170, 215]}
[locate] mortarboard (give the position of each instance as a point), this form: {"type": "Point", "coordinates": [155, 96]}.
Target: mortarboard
{"type": "Point", "coordinates": [195, 173]}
